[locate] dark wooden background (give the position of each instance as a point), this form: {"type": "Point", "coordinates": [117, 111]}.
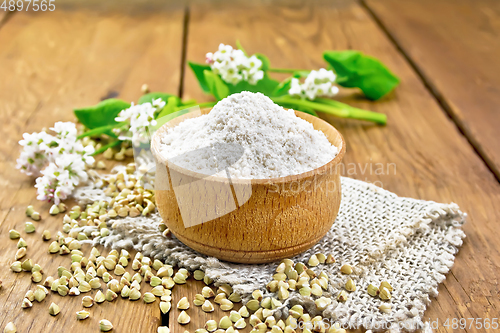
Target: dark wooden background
{"type": "Point", "coordinates": [441, 135]}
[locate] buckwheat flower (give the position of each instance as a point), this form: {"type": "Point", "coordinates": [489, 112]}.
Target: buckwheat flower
{"type": "Point", "coordinates": [54, 185]}
{"type": "Point", "coordinates": [140, 118]}
{"type": "Point", "coordinates": [295, 88]}
{"type": "Point", "coordinates": [66, 134]}
{"type": "Point", "coordinates": [36, 152]}
{"type": "Point", "coordinates": [86, 153]}
{"type": "Point", "coordinates": [58, 158]}
{"type": "Point", "coordinates": [225, 52]}
{"type": "Point", "coordinates": [319, 83]}
{"type": "Point", "coordinates": [209, 57]}
{"type": "Point", "coordinates": [75, 167]}
{"type": "Point", "coordinates": [234, 66]}
{"type": "Point", "coordinates": [65, 130]}
{"type": "Point", "coordinates": [253, 64]}
{"type": "Point", "coordinates": [60, 178]}
{"type": "Point", "coordinates": [39, 149]}
{"type": "Point", "coordinates": [255, 74]}
{"type": "Point", "coordinates": [69, 146]}
{"type": "Point", "coordinates": [321, 76]}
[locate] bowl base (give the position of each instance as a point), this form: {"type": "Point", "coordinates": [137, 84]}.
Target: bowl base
{"type": "Point", "coordinates": [248, 257]}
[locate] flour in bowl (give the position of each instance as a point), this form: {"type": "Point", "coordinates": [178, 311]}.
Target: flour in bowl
{"type": "Point", "coordinates": [251, 137]}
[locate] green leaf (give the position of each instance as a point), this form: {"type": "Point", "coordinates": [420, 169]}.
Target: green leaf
{"type": "Point", "coordinates": [169, 107]}
{"type": "Point", "coordinates": [357, 70]}
{"type": "Point", "coordinates": [198, 70]}
{"type": "Point", "coordinates": [217, 87]}
{"type": "Point", "coordinates": [266, 64]}
{"type": "Point", "coordinates": [148, 98]}
{"type": "Point", "coordinates": [283, 87]}
{"type": "Point", "coordinates": [265, 86]}
{"type": "Point", "coordinates": [164, 119]}
{"type": "Point", "coordinates": [101, 114]}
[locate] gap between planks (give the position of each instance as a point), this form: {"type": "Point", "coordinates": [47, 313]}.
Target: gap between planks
{"type": "Point", "coordinates": [435, 93]}
{"type": "Point", "coordinates": [185, 33]}
{"type": "Point", "coordinates": [4, 17]}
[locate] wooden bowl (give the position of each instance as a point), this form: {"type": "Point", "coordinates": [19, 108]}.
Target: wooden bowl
{"type": "Point", "coordinates": [249, 221]}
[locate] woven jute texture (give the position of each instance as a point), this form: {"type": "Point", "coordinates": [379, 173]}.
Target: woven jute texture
{"type": "Point", "coordinates": [409, 243]}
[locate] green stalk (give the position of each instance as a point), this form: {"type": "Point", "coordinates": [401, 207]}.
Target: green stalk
{"type": "Point", "coordinates": [168, 108]}
{"type": "Point", "coordinates": [100, 130]}
{"type": "Point", "coordinates": [201, 106]}
{"type": "Point", "coordinates": [240, 47]}
{"type": "Point", "coordinates": [189, 102]}
{"type": "Point", "coordinates": [286, 70]}
{"type": "Point", "coordinates": [335, 108]}
{"type": "Point", "coordinates": [357, 113]}
{"type": "Point", "coordinates": [339, 112]}
{"type": "Point", "coordinates": [206, 105]}
{"type": "Point", "coordinates": [104, 148]}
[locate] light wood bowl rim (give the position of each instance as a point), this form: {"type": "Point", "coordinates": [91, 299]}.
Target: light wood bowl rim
{"type": "Point", "coordinates": [155, 144]}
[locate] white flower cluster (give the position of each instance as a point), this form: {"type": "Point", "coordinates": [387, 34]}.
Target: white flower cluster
{"type": "Point", "coordinates": [317, 84]}
{"type": "Point", "coordinates": [140, 117]}
{"type": "Point", "coordinates": [63, 156]}
{"type": "Point", "coordinates": [234, 66]}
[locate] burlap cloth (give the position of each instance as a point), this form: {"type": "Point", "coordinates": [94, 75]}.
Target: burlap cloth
{"type": "Point", "coordinates": [410, 243]}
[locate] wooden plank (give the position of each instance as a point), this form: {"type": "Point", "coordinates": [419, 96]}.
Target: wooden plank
{"type": "Point", "coordinates": [423, 154]}
{"type": "Point", "coordinates": [455, 46]}
{"type": "Point", "coordinates": [51, 63]}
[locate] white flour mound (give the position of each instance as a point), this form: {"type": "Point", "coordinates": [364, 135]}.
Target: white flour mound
{"type": "Point", "coordinates": [251, 135]}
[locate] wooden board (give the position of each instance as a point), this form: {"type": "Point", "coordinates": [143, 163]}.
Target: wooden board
{"type": "Point", "coordinates": [51, 63]}
{"type": "Point", "coordinates": [432, 160]}
{"type": "Point", "coordinates": [455, 46]}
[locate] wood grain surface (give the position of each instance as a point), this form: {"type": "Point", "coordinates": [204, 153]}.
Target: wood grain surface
{"type": "Point", "coordinates": [57, 61]}
{"type": "Point", "coordinates": [455, 46]}
{"type": "Point", "coordinates": [51, 63]}
{"type": "Point", "coordinates": [432, 160]}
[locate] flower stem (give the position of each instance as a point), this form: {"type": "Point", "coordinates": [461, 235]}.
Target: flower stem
{"type": "Point", "coordinates": [100, 130]}
{"type": "Point", "coordinates": [240, 47]}
{"type": "Point", "coordinates": [104, 148]}
{"type": "Point", "coordinates": [201, 106]}
{"type": "Point", "coordinates": [335, 108]}
{"type": "Point", "coordinates": [206, 105]}
{"type": "Point", "coordinates": [168, 108]}
{"type": "Point", "coordinates": [286, 70]}
{"type": "Point", "coordinates": [356, 113]}
{"type": "Point", "coordinates": [189, 102]}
